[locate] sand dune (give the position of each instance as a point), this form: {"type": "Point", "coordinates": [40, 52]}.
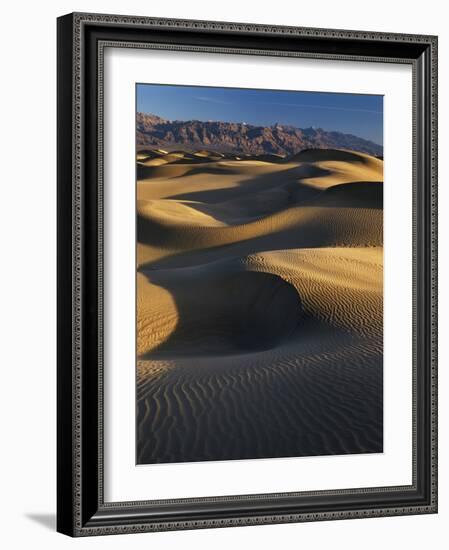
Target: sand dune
{"type": "Point", "coordinates": [220, 309]}
{"type": "Point", "coordinates": [259, 306]}
{"type": "Point", "coordinates": [252, 294]}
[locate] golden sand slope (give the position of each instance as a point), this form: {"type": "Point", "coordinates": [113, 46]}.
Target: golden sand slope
{"type": "Point", "coordinates": [259, 307]}
{"type": "Point", "coordinates": [214, 305]}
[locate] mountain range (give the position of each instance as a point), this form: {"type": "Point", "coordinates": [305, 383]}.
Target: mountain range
{"type": "Point", "coordinates": [242, 138]}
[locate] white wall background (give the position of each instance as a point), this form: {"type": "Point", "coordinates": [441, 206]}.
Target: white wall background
{"type": "Point", "coordinates": [27, 274]}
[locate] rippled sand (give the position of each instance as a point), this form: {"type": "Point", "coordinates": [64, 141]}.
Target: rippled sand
{"type": "Point", "coordinates": [259, 305]}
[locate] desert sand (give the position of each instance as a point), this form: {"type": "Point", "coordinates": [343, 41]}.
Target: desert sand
{"type": "Point", "coordinates": [259, 305]}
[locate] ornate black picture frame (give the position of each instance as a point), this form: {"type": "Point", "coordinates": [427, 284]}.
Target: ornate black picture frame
{"type": "Point", "coordinates": [81, 509]}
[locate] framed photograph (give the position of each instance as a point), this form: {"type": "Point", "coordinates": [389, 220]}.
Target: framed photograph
{"type": "Point", "coordinates": [246, 274]}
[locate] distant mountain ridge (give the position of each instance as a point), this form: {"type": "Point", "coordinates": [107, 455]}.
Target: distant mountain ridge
{"type": "Point", "coordinates": [242, 138]}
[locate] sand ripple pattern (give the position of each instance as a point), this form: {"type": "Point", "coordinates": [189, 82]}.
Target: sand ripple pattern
{"type": "Point", "coordinates": [259, 306]}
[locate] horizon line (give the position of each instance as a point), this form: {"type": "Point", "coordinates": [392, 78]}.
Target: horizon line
{"type": "Point", "coordinates": [170, 120]}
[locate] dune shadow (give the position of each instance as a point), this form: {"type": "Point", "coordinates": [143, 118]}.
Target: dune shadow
{"type": "Point", "coordinates": [164, 170]}
{"type": "Point", "coordinates": [254, 206]}
{"type": "Point", "coordinates": [316, 236]}
{"type": "Point", "coordinates": [237, 363]}
{"type": "Point", "coordinates": [357, 194]}
{"type": "Point", "coordinates": [211, 170]}
{"type": "Point", "coordinates": [313, 233]}
{"type": "Point", "coordinates": [251, 207]}
{"type": "Point", "coordinates": [258, 183]}
{"type": "Point", "coordinates": [226, 310]}
{"type": "Point", "coordinates": [329, 155]}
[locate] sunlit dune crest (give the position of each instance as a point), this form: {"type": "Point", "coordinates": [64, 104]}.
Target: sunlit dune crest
{"type": "Point", "coordinates": [259, 304]}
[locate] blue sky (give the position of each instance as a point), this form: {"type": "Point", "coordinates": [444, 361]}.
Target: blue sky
{"type": "Point", "coordinates": [361, 115]}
